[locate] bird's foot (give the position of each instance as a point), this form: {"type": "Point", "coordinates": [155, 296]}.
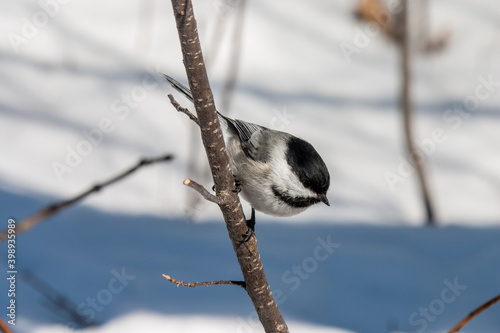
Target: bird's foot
{"type": "Point", "coordinates": [237, 185]}
{"type": "Point", "coordinates": [251, 227]}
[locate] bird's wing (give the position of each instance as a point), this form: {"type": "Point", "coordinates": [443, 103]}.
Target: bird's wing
{"type": "Point", "coordinates": [247, 132]}
{"type": "Point", "coordinates": [251, 137]}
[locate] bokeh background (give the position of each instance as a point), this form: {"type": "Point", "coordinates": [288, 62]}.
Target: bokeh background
{"type": "Point", "coordinates": [81, 101]}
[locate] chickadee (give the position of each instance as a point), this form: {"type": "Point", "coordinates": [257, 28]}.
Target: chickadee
{"type": "Point", "coordinates": [279, 174]}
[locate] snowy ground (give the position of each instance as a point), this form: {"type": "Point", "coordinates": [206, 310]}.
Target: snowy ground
{"type": "Point", "coordinates": [89, 68]}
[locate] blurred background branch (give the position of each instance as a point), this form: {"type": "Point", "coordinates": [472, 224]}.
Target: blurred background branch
{"type": "Point", "coordinates": [29, 222]}
{"type": "Point", "coordinates": [407, 112]}
{"type": "Point", "coordinates": [59, 303]}
{"type": "Point", "coordinates": [474, 313]}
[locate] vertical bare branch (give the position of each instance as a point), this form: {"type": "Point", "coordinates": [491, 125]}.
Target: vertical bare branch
{"type": "Point", "coordinates": [235, 9]}
{"type": "Point", "coordinates": [406, 105]}
{"type": "Point", "coordinates": [246, 251]}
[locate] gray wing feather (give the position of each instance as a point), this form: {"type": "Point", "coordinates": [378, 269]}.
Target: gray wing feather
{"type": "Point", "coordinates": [246, 130]}
{"type": "Point", "coordinates": [250, 136]}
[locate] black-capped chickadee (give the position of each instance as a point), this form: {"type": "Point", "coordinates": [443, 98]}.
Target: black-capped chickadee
{"type": "Point", "coordinates": [279, 174]}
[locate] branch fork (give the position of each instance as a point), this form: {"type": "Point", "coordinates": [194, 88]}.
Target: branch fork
{"type": "Point", "coordinates": [179, 108]}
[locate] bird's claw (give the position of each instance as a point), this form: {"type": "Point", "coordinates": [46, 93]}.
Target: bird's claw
{"type": "Point", "coordinates": [237, 185]}
{"type": "Point", "coordinates": [251, 228]}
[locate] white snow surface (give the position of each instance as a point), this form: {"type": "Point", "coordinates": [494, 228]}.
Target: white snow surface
{"type": "Point", "coordinates": [148, 322]}
{"type": "Point", "coordinates": [82, 79]}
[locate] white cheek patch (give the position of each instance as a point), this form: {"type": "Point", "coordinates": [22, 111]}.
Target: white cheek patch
{"type": "Point", "coordinates": [283, 176]}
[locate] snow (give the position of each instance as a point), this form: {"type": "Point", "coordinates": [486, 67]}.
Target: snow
{"type": "Point", "coordinates": [354, 277]}
{"type": "Point", "coordinates": [85, 81]}
{"type": "Point", "coordinates": [148, 322]}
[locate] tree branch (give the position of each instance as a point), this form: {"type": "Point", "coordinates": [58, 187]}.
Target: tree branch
{"type": "Point", "coordinates": [474, 313]}
{"type": "Point", "coordinates": [53, 209]}
{"type": "Point", "coordinates": [406, 105]}
{"type": "Point", "coordinates": [202, 284]}
{"type": "Point", "coordinates": [248, 255]}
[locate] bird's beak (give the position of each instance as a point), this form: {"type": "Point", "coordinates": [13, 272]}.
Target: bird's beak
{"type": "Point", "coordinates": [324, 200]}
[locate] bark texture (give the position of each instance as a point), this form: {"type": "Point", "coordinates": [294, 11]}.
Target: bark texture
{"type": "Point", "coordinates": [246, 250]}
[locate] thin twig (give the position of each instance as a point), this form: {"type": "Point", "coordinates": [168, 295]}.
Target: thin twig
{"type": "Point", "coordinates": [179, 108]}
{"type": "Point", "coordinates": [203, 191]}
{"type": "Point", "coordinates": [47, 212]}
{"type": "Point", "coordinates": [474, 313]}
{"type": "Point", "coordinates": [203, 284]}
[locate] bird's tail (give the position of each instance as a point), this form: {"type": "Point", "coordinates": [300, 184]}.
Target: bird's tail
{"type": "Point", "coordinates": [186, 92]}
{"type": "Point", "coordinates": [179, 87]}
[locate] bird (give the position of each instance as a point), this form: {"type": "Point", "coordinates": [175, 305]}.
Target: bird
{"type": "Point", "coordinates": [277, 173]}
